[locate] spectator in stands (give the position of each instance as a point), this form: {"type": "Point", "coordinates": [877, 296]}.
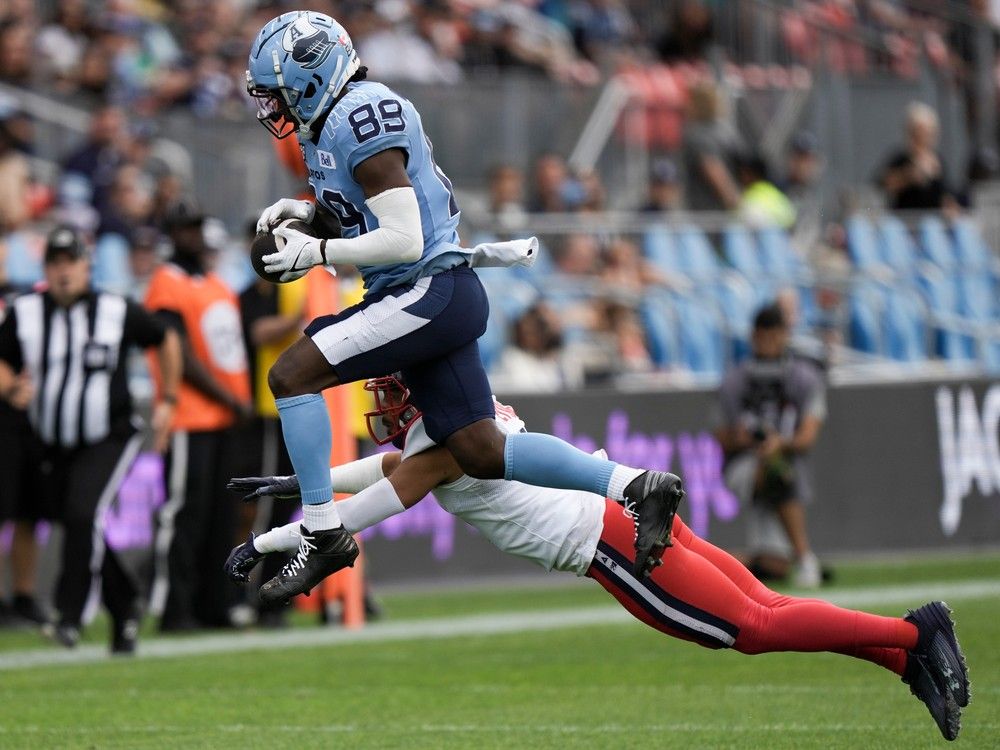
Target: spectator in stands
{"type": "Point", "coordinates": [628, 338]}
{"type": "Point", "coordinates": [143, 260]}
{"type": "Point", "coordinates": [690, 33]}
{"type": "Point", "coordinates": [711, 147]}
{"type": "Point", "coordinates": [914, 177]}
{"type": "Point", "coordinates": [555, 189]}
{"type": "Point", "coordinates": [533, 360]}
{"type": "Point", "coordinates": [625, 271]}
{"type": "Point", "coordinates": [15, 174]}
{"type": "Point", "coordinates": [406, 47]}
{"type": "Point", "coordinates": [762, 204]}
{"type": "Point", "coordinates": [771, 409]}
{"type": "Point", "coordinates": [61, 44]}
{"type": "Point", "coordinates": [579, 255]}
{"type": "Point", "coordinates": [665, 191]}
{"type": "Point", "coordinates": [803, 170]}
{"type": "Point", "coordinates": [507, 196]}
{"type": "Point", "coordinates": [15, 51]}
{"type": "Point", "coordinates": [100, 156]}
{"type": "Point", "coordinates": [197, 524]}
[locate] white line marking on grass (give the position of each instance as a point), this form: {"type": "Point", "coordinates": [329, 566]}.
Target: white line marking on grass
{"type": "Point", "coordinates": [409, 729]}
{"type": "Point", "coordinates": [496, 623]}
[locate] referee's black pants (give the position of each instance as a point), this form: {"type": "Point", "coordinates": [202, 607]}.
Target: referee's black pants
{"type": "Point", "coordinates": [196, 532]}
{"type": "Point", "coordinates": [85, 482]}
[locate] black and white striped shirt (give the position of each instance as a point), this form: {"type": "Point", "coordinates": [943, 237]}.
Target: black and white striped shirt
{"type": "Point", "coordinates": [76, 358]}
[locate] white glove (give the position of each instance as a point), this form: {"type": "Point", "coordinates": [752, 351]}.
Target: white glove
{"type": "Point", "coordinates": [286, 208]}
{"type": "Point", "coordinates": [300, 253]}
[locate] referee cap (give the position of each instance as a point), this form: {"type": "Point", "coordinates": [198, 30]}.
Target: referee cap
{"type": "Point", "coordinates": [64, 240]}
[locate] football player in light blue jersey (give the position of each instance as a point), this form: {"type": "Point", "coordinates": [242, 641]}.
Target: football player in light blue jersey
{"type": "Point", "coordinates": [371, 163]}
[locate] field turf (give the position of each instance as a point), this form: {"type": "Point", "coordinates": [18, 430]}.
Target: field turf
{"type": "Point", "coordinates": [614, 685]}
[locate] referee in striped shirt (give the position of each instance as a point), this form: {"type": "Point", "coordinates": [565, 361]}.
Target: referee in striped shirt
{"type": "Point", "coordinates": [68, 345]}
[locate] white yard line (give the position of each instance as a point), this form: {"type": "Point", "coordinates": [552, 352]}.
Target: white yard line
{"type": "Point", "coordinates": [495, 623]}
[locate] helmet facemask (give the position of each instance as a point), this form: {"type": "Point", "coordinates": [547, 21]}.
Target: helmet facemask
{"type": "Point", "coordinates": [274, 111]}
{"type": "Point", "coordinates": [393, 414]}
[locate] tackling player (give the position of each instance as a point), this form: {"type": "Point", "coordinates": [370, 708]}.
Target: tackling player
{"type": "Point", "coordinates": [701, 593]}
{"type": "Point", "coordinates": [369, 161]}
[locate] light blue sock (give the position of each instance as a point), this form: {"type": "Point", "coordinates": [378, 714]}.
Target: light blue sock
{"type": "Point", "coordinates": [306, 427]}
{"type": "Point", "coordinates": [546, 461]}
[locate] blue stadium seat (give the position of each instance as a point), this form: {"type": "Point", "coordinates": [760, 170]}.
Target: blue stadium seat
{"type": "Point", "coordinates": [864, 331]}
{"type": "Point", "coordinates": [742, 252]}
{"type": "Point", "coordinates": [898, 250]}
{"type": "Point", "coordinates": [862, 243]}
{"type": "Point", "coordinates": [659, 246]}
{"type": "Point", "coordinates": [738, 301]}
{"type": "Point", "coordinates": [696, 256]}
{"type": "Point", "coordinates": [940, 292]}
{"type": "Point", "coordinates": [972, 252]}
{"type": "Point", "coordinates": [658, 319]}
{"type": "Point", "coordinates": [780, 259]}
{"type": "Point", "coordinates": [905, 327]}
{"type": "Point", "coordinates": [700, 337]}
{"type": "Point", "coordinates": [936, 244]}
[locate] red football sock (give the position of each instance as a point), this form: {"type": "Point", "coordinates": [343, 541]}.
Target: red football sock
{"type": "Point", "coordinates": [708, 585]}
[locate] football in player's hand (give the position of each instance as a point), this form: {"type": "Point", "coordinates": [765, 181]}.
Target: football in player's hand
{"type": "Point", "coordinates": [325, 224]}
{"type": "Point", "coordinates": [265, 243]}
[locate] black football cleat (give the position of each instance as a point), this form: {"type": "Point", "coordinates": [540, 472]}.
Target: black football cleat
{"type": "Point", "coordinates": [242, 560]}
{"type": "Point", "coordinates": [938, 645]}
{"type": "Point", "coordinates": [942, 706]}
{"type": "Point", "coordinates": [64, 634]}
{"type": "Point", "coordinates": [321, 553]}
{"type": "Point", "coordinates": [652, 499]}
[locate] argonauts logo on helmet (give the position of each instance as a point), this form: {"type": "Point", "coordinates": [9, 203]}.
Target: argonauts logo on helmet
{"type": "Point", "coordinates": [309, 45]}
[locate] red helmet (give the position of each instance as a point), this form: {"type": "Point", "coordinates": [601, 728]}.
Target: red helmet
{"type": "Point", "coordinates": [393, 414]}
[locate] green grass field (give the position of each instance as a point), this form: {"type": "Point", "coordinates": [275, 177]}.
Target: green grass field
{"type": "Point", "coordinates": [614, 685]}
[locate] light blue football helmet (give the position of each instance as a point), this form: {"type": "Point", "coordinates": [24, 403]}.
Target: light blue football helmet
{"type": "Point", "coordinates": [299, 63]}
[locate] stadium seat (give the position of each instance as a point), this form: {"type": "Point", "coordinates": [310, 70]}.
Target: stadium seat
{"type": "Point", "coordinates": [936, 244]}
{"type": "Point", "coordinates": [700, 337]}
{"type": "Point", "coordinates": [738, 301]}
{"type": "Point", "coordinates": [696, 256]}
{"type": "Point", "coordinates": [977, 297]}
{"type": "Point", "coordinates": [742, 252]}
{"type": "Point", "coordinates": [862, 243]}
{"type": "Point", "coordinates": [972, 252]}
{"type": "Point", "coordinates": [864, 331]}
{"type": "Point", "coordinates": [779, 258]}
{"type": "Point", "coordinates": [940, 292]}
{"type": "Point", "coordinates": [659, 247]}
{"type": "Point", "coordinates": [659, 321]}
{"type": "Point", "coordinates": [897, 248]}
{"type": "Point", "coordinates": [905, 326]}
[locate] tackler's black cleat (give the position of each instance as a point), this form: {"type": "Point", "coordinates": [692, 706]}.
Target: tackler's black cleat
{"type": "Point", "coordinates": [941, 703]}
{"type": "Point", "coordinates": [652, 499]}
{"type": "Point", "coordinates": [938, 645]}
{"type": "Point", "coordinates": [242, 560]}
{"type": "Point", "coordinates": [321, 553]}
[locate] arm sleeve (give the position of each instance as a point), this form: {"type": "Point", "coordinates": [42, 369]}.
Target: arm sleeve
{"type": "Point", "coordinates": [355, 476]}
{"type": "Point", "coordinates": [142, 327]}
{"type": "Point", "coordinates": [10, 347]}
{"type": "Point", "coordinates": [399, 237]}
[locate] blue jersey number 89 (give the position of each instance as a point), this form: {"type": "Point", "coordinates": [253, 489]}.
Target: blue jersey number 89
{"type": "Point", "coordinates": [367, 125]}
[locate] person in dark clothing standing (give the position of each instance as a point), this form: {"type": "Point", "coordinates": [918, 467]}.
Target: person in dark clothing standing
{"type": "Point", "coordinates": [196, 526]}
{"type": "Point", "coordinates": [68, 343]}
{"type": "Point", "coordinates": [19, 462]}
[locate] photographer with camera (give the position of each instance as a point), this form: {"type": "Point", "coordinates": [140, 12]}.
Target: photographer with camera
{"type": "Point", "coordinates": [771, 409]}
